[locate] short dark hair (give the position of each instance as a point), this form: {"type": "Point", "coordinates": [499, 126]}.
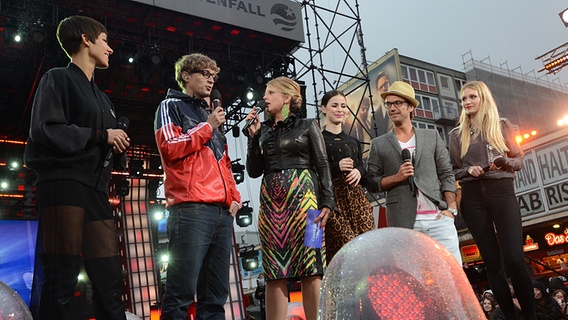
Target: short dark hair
{"type": "Point", "coordinates": [70, 32]}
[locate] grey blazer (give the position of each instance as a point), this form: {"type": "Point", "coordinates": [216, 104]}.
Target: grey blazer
{"type": "Point", "coordinates": [433, 174]}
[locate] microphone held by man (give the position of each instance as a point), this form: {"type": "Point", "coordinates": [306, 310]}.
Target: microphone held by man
{"type": "Point", "coordinates": [407, 157]}
{"type": "Point", "coordinates": [217, 111]}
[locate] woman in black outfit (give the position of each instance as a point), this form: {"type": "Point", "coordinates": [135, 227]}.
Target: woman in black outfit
{"type": "Point", "coordinates": [485, 156]}
{"type": "Point", "coordinates": [71, 133]}
{"type": "Point", "coordinates": [354, 214]}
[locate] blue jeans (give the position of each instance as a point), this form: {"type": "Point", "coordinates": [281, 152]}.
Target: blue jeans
{"type": "Point", "coordinates": [200, 243]}
{"type": "Point", "coordinates": [444, 231]}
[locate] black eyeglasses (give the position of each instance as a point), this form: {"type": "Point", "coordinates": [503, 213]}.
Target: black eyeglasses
{"type": "Point", "coordinates": [206, 74]}
{"type": "Point", "coordinates": [397, 103]}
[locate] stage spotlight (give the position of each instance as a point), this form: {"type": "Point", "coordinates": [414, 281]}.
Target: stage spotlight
{"type": "Point", "coordinates": [564, 17]}
{"type": "Point", "coordinates": [249, 94]}
{"type": "Point", "coordinates": [18, 37]}
{"type": "Point", "coordinates": [236, 132]}
{"type": "Point", "coordinates": [127, 51]}
{"type": "Point", "coordinates": [158, 210]}
{"type": "Point", "coordinates": [249, 258]}
{"type": "Point", "coordinates": [38, 33]}
{"type": "Point", "coordinates": [155, 55]}
{"type": "Point", "coordinates": [259, 77]}
{"type": "Point", "coordinates": [239, 177]}
{"type": "Point", "coordinates": [238, 171]}
{"type": "Point", "coordinates": [135, 168]}
{"type": "Point", "coordinates": [122, 187]}
{"type": "Point", "coordinates": [14, 165]}
{"type": "Point", "coordinates": [244, 215]}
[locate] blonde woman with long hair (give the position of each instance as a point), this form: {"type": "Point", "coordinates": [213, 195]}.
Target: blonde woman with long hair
{"type": "Point", "coordinates": [289, 153]}
{"type": "Point", "coordinates": [485, 156]}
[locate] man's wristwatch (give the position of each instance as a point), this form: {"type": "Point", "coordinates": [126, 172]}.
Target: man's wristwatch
{"type": "Point", "coordinates": [453, 211]}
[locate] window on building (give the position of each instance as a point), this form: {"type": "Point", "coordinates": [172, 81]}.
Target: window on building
{"type": "Point", "coordinates": [450, 109]}
{"type": "Point", "coordinates": [426, 125]}
{"type": "Point", "coordinates": [419, 79]}
{"type": "Point", "coordinates": [459, 85]}
{"type": "Point", "coordinates": [445, 82]}
{"type": "Point", "coordinates": [428, 107]}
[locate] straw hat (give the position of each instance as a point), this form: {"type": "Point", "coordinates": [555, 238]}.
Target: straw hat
{"type": "Point", "coordinates": [403, 90]}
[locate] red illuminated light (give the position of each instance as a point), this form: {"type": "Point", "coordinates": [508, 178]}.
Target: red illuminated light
{"type": "Point", "coordinates": [395, 294]}
{"type": "Point", "coordinates": [235, 32]}
{"type": "Point", "coordinates": [216, 28]}
{"type": "Point", "coordinates": [171, 29]}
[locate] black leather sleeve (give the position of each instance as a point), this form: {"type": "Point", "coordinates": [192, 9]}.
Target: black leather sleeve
{"type": "Point", "coordinates": [255, 161]}
{"type": "Point", "coordinates": [321, 165]}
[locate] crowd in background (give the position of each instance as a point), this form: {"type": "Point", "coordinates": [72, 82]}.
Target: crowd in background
{"type": "Point", "coordinates": [550, 300]}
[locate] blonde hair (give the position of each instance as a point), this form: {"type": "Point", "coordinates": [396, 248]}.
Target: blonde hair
{"type": "Point", "coordinates": [487, 119]}
{"type": "Point", "coordinates": [290, 88]}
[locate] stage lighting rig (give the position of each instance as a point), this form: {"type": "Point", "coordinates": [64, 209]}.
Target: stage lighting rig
{"type": "Point", "coordinates": [555, 59]}
{"type": "Point", "coordinates": [155, 55]}
{"type": "Point", "coordinates": [249, 257]}
{"type": "Point", "coordinates": [38, 33]}
{"type": "Point", "coordinates": [244, 215]}
{"type": "Point", "coordinates": [135, 168]}
{"type": "Point", "coordinates": [122, 187]}
{"type": "Point", "coordinates": [238, 171]}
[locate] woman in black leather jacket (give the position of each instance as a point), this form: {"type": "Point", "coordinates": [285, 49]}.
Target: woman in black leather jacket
{"type": "Point", "coordinates": [290, 152]}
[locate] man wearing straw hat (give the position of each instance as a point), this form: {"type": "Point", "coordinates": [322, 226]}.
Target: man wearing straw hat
{"type": "Point", "coordinates": [412, 166]}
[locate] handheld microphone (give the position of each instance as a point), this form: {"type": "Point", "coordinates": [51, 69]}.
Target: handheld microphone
{"type": "Point", "coordinates": [500, 162]}
{"type": "Point", "coordinates": [259, 108]}
{"type": "Point", "coordinates": [123, 123]}
{"type": "Point", "coordinates": [216, 102]}
{"type": "Point", "coordinates": [407, 157]}
{"type": "Point", "coordinates": [215, 98]}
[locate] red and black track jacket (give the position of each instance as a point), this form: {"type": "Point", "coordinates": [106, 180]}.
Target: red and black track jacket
{"type": "Point", "coordinates": [196, 165]}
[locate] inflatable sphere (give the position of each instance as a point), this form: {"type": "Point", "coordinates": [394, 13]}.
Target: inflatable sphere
{"type": "Point", "coordinates": [12, 307]}
{"type": "Point", "coordinates": [395, 273]}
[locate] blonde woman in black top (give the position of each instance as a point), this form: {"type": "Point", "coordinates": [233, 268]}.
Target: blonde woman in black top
{"type": "Point", "coordinates": [485, 156]}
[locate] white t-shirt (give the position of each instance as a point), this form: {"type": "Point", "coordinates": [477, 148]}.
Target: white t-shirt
{"type": "Point", "coordinates": [425, 209]}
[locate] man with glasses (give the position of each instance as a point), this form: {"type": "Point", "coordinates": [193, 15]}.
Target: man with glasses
{"type": "Point", "coordinates": [419, 182]}
{"type": "Point", "coordinates": [201, 194]}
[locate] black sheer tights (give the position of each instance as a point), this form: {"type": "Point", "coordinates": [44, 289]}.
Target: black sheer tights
{"type": "Point", "coordinates": [64, 232]}
{"type": "Point", "coordinates": [70, 242]}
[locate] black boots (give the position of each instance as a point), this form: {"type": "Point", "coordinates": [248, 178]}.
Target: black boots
{"type": "Point", "coordinates": [60, 278]}
{"type": "Point", "coordinates": [107, 282]}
